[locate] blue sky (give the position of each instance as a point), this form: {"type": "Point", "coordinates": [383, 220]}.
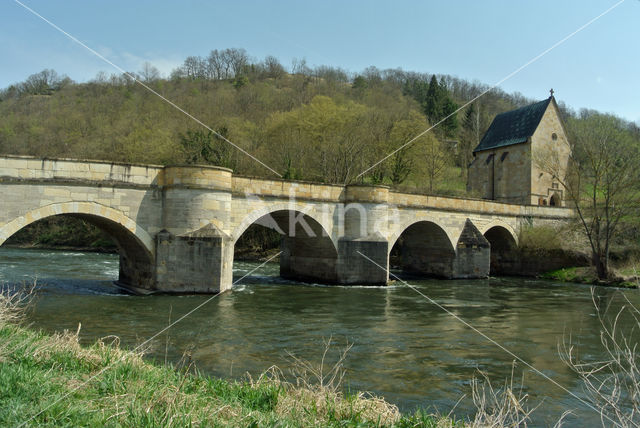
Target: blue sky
{"type": "Point", "coordinates": [478, 40]}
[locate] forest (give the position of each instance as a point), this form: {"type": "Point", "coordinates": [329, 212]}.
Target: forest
{"type": "Point", "coordinates": [320, 123]}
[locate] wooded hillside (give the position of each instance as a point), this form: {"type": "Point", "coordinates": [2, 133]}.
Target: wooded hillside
{"type": "Point", "coordinates": [321, 124]}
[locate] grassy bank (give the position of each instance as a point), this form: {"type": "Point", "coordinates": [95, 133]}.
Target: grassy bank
{"type": "Point", "coordinates": [50, 380]}
{"type": "Point", "coordinates": [588, 275]}
{"type": "Point", "coordinates": [566, 256]}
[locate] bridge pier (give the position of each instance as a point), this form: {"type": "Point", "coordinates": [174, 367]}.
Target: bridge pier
{"type": "Point", "coordinates": [200, 262]}
{"type": "Point", "coordinates": [308, 259]}
{"type": "Point", "coordinates": [363, 252]}
{"type": "Point", "coordinates": [192, 254]}
{"type": "Point", "coordinates": [473, 254]}
{"type": "Point", "coordinates": [363, 261]}
{"type": "Point", "coordinates": [359, 257]}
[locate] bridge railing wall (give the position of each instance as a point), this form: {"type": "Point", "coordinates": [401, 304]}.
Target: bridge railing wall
{"type": "Point", "coordinates": [27, 168]}
{"type": "Point", "coordinates": [287, 189]}
{"type": "Point", "coordinates": [409, 200]}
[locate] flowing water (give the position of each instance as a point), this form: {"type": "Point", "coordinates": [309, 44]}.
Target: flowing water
{"type": "Point", "coordinates": [404, 348]}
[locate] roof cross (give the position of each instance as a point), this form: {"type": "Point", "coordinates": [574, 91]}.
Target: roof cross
{"type": "Point", "coordinates": [551, 91]}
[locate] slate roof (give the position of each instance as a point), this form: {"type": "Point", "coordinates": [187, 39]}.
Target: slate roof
{"type": "Point", "coordinates": [514, 126]}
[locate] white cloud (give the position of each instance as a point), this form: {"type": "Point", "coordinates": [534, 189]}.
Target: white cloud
{"type": "Point", "coordinates": [165, 65]}
{"type": "Point", "coordinates": [84, 68]}
{"type": "Point", "coordinates": [105, 52]}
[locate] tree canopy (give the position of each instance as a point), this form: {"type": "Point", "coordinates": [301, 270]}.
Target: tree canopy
{"type": "Point", "coordinates": [319, 123]}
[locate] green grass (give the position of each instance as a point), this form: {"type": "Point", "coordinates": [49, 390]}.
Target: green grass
{"type": "Point", "coordinates": [53, 381]}
{"type": "Point", "coordinates": [630, 271]}
{"type": "Point", "coordinates": [585, 275]}
{"type": "Point", "coordinates": [563, 275]}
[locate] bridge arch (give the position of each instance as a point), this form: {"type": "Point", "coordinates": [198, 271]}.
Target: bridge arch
{"type": "Point", "coordinates": [504, 244]}
{"type": "Point", "coordinates": [424, 247]}
{"type": "Point", "coordinates": [307, 212]}
{"type": "Point", "coordinates": [500, 224]}
{"type": "Point", "coordinates": [135, 245]}
{"type": "Point", "coordinates": [308, 251]}
{"type": "Point", "coordinates": [430, 219]}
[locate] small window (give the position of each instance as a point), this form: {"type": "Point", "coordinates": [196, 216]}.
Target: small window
{"type": "Point", "coordinates": [504, 156]}
{"type": "Point", "coordinates": [554, 136]}
{"type": "Point", "coordinates": [555, 185]}
{"type": "Point", "coordinates": [489, 159]}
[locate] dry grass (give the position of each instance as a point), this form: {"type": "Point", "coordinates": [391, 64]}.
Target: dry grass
{"type": "Point", "coordinates": [14, 304]}
{"type": "Point", "coordinates": [318, 386]}
{"type": "Point", "coordinates": [317, 405]}
{"type": "Point", "coordinates": [628, 270]}
{"type": "Point", "coordinates": [503, 407]}
{"type": "Point", "coordinates": [613, 382]}
{"type": "Point", "coordinates": [316, 392]}
{"type": "Point", "coordinates": [560, 237]}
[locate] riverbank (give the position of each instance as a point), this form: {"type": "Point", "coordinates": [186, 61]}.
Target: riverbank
{"type": "Point", "coordinates": [231, 338]}
{"type": "Point", "coordinates": [587, 275]}
{"type": "Point", "coordinates": [52, 380]}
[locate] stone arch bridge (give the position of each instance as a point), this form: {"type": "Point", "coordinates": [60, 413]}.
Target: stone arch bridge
{"type": "Point", "coordinates": [176, 226]}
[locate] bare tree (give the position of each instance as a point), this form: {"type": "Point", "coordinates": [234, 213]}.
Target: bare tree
{"type": "Point", "coordinates": [194, 67]}
{"type": "Point", "coordinates": [215, 65]}
{"type": "Point", "coordinates": [43, 83]}
{"type": "Point", "coordinates": [238, 60]}
{"type": "Point", "coordinates": [373, 75]}
{"type": "Point", "coordinates": [149, 73]}
{"type": "Point", "coordinates": [612, 382]}
{"type": "Point", "coordinates": [602, 179]}
{"type": "Point", "coordinates": [299, 66]}
{"type": "Point", "coordinates": [225, 60]}
{"type": "Point", "coordinates": [273, 68]}
{"type": "Point", "coordinates": [436, 160]}
{"type": "Point", "coordinates": [331, 74]}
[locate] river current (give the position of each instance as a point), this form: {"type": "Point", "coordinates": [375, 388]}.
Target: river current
{"type": "Point", "coordinates": [403, 347]}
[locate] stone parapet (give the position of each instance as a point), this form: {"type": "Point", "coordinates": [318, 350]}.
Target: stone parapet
{"type": "Point", "coordinates": [367, 194]}
{"type": "Point", "coordinates": [287, 189]}
{"type": "Point", "coordinates": [29, 168]}
{"type": "Point", "coordinates": [409, 200]}
{"type": "Point", "coordinates": [196, 177]}
{"type": "Point", "coordinates": [23, 168]}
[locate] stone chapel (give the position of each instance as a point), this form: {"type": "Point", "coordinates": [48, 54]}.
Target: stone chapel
{"type": "Point", "coordinates": [504, 167]}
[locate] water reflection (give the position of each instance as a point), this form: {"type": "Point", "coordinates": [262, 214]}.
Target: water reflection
{"type": "Point", "coordinates": [404, 348]}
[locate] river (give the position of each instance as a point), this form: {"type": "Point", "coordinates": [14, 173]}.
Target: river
{"type": "Point", "coordinates": [403, 347]}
